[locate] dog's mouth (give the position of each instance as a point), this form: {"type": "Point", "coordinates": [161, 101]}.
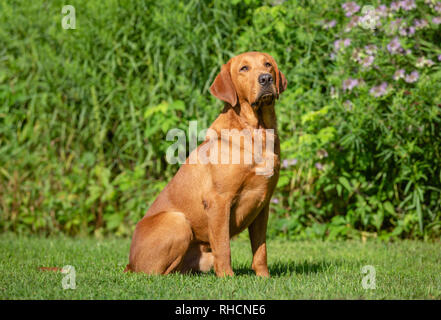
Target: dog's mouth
{"type": "Point", "coordinates": [264, 98]}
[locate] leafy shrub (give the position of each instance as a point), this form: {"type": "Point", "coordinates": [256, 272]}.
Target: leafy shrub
{"type": "Point", "coordinates": [367, 153]}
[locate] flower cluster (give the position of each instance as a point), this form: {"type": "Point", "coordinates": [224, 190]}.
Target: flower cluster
{"type": "Point", "coordinates": [380, 90]}
{"type": "Point", "coordinates": [392, 42]}
{"type": "Point", "coordinates": [340, 44]}
{"type": "Point", "coordinates": [350, 8]}
{"type": "Point", "coordinates": [350, 84]}
{"type": "Point", "coordinates": [288, 163]}
{"type": "Point", "coordinates": [364, 57]}
{"type": "Point", "coordinates": [329, 24]}
{"type": "Point", "coordinates": [394, 47]}
{"type": "Point", "coordinates": [424, 62]}
{"type": "Point", "coordinates": [405, 5]}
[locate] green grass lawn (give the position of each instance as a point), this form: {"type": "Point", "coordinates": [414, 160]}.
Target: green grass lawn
{"type": "Point", "coordinates": [299, 270]}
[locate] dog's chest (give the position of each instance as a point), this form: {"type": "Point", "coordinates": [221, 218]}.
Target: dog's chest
{"type": "Point", "coordinates": [255, 193]}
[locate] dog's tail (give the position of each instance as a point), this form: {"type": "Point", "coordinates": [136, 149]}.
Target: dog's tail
{"type": "Point", "coordinates": [127, 268]}
{"type": "Point", "coordinates": [54, 269]}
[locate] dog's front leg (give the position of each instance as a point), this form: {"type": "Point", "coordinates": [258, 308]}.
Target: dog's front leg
{"type": "Point", "coordinates": [257, 231]}
{"type": "Point", "coordinates": [219, 235]}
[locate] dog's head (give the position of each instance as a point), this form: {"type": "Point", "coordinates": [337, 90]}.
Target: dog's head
{"type": "Point", "coordinates": [251, 77]}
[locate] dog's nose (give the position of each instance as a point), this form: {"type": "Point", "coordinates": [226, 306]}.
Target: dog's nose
{"type": "Point", "coordinates": [265, 79]}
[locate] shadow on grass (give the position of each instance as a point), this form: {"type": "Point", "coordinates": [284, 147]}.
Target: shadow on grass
{"type": "Point", "coordinates": [284, 268]}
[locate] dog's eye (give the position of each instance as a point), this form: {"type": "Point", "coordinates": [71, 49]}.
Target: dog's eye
{"type": "Point", "coordinates": [267, 64]}
{"type": "Point", "coordinates": [244, 68]}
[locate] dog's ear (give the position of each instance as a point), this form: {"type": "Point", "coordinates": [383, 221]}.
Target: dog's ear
{"type": "Point", "coordinates": [223, 87]}
{"type": "Point", "coordinates": [281, 82]}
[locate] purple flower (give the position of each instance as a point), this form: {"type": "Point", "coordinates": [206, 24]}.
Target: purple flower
{"type": "Point", "coordinates": [439, 57]}
{"type": "Point", "coordinates": [436, 20]}
{"type": "Point", "coordinates": [381, 10]}
{"type": "Point", "coordinates": [350, 84]}
{"type": "Point", "coordinates": [422, 62]}
{"type": "Point", "coordinates": [402, 31]}
{"type": "Point", "coordinates": [379, 91]}
{"type": "Point", "coordinates": [437, 7]}
{"type": "Point", "coordinates": [350, 8]}
{"type": "Point", "coordinates": [275, 200]}
{"type": "Point", "coordinates": [399, 74]}
{"type": "Point", "coordinates": [319, 166]}
{"type": "Point", "coordinates": [407, 5]}
{"type": "Point", "coordinates": [420, 23]}
{"type": "Point", "coordinates": [395, 6]}
{"type": "Point", "coordinates": [412, 77]}
{"type": "Point", "coordinates": [286, 163]}
{"type": "Point", "coordinates": [396, 23]}
{"type": "Point", "coordinates": [339, 44]}
{"type": "Point", "coordinates": [329, 24]}
{"type": "Point", "coordinates": [396, 26]}
{"type": "Point", "coordinates": [322, 153]}
{"type": "Point", "coordinates": [355, 20]}
{"type": "Point", "coordinates": [394, 46]}
{"type": "Point", "coordinates": [366, 62]}
{"type": "Point", "coordinates": [371, 49]}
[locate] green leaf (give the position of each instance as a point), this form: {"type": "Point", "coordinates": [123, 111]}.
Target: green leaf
{"type": "Point", "coordinates": [345, 183]}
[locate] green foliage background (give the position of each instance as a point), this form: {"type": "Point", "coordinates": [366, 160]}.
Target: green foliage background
{"type": "Point", "coordinates": [84, 114]}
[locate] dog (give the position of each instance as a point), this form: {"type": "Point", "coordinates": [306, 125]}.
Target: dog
{"type": "Point", "coordinates": [189, 226]}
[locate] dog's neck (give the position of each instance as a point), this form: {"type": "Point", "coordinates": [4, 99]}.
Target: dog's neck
{"type": "Point", "coordinates": [244, 116]}
{"type": "Point", "coordinates": [259, 117]}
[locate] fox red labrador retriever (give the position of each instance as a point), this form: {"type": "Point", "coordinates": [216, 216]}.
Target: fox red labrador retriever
{"type": "Point", "coordinates": [189, 226]}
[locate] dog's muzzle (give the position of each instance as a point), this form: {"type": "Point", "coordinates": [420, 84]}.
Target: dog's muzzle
{"type": "Point", "coordinates": [266, 94]}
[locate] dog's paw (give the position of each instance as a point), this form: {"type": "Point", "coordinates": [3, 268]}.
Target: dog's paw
{"type": "Point", "coordinates": [225, 273]}
{"type": "Point", "coordinates": [264, 274]}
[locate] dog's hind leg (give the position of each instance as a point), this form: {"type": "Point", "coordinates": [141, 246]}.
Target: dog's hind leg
{"type": "Point", "coordinates": [198, 258]}
{"type": "Point", "coordinates": [159, 243]}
